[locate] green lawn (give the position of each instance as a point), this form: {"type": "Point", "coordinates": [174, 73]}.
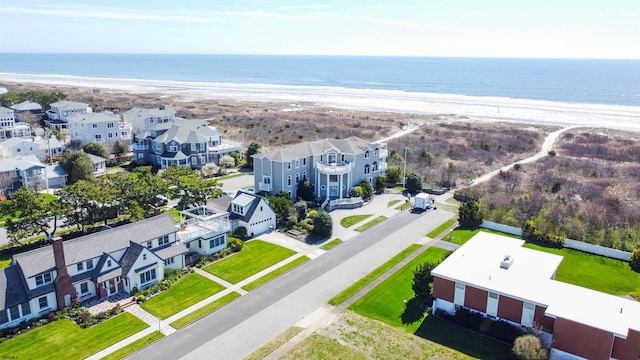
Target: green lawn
{"type": "Point", "coordinates": [64, 339]}
{"type": "Point", "coordinates": [4, 263]}
{"type": "Point", "coordinates": [392, 302]}
{"type": "Point", "coordinates": [594, 272]}
{"type": "Point", "coordinates": [134, 346]}
{"type": "Point", "coordinates": [331, 244]}
{"type": "Point", "coordinates": [461, 236]}
{"type": "Point", "coordinates": [256, 255]}
{"type": "Point", "coordinates": [393, 202]}
{"type": "Point", "coordinates": [205, 310]}
{"type": "Point", "coordinates": [189, 290]}
{"type": "Point", "coordinates": [404, 206]}
{"type": "Point", "coordinates": [275, 273]}
{"type": "Point", "coordinates": [354, 219]}
{"type": "Point", "coordinates": [348, 292]}
{"type": "Point", "coordinates": [444, 226]}
{"type": "Point", "coordinates": [230, 176]}
{"type": "Point", "coordinates": [371, 224]}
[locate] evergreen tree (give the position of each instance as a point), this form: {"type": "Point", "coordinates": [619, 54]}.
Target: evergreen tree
{"type": "Point", "coordinates": [469, 215]}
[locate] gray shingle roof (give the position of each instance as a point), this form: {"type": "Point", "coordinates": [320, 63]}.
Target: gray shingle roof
{"type": "Point", "coordinates": [12, 289]}
{"type": "Point", "coordinates": [138, 112]}
{"type": "Point", "coordinates": [4, 111]}
{"type": "Point", "coordinates": [352, 145]}
{"type": "Point", "coordinates": [254, 205]}
{"type": "Point", "coordinates": [26, 106]}
{"type": "Point", "coordinates": [94, 117]}
{"type": "Point", "coordinates": [187, 132]}
{"type": "Point", "coordinates": [171, 250]}
{"type": "Point", "coordinates": [130, 256]}
{"type": "Point", "coordinates": [94, 245]}
{"type": "Point", "coordinates": [66, 104]}
{"type": "Point", "coordinates": [20, 162]}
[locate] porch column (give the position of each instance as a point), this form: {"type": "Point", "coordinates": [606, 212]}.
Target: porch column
{"type": "Point", "coordinates": [340, 186]}
{"type": "Point", "coordinates": [327, 187]}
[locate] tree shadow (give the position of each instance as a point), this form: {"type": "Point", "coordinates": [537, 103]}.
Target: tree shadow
{"type": "Point", "coordinates": [413, 312]}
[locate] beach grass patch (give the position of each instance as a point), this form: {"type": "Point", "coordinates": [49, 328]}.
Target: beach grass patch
{"type": "Point", "coordinates": [256, 255]}
{"type": "Point", "coordinates": [64, 337]}
{"type": "Point", "coordinates": [331, 244]}
{"type": "Point", "coordinates": [360, 284]}
{"type": "Point", "coordinates": [353, 219]}
{"type": "Point", "coordinates": [205, 310]}
{"type": "Point", "coordinates": [371, 224]}
{"type": "Point", "coordinates": [134, 346]}
{"type": "Point", "coordinates": [275, 273]}
{"type": "Point", "coordinates": [187, 291]}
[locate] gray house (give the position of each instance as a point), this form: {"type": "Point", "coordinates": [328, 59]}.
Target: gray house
{"type": "Point", "coordinates": [332, 166]}
{"type": "Point", "coordinates": [183, 143]}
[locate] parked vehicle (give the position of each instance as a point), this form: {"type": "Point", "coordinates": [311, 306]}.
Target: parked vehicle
{"type": "Point", "coordinates": [423, 201]}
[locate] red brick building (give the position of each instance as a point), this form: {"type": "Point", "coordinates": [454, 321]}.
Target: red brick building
{"type": "Point", "coordinates": [496, 276]}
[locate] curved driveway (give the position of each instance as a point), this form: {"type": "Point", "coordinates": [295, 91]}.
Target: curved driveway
{"type": "Point", "coordinates": [239, 328]}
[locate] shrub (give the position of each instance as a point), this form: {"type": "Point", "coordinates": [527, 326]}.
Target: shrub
{"type": "Point", "coordinates": [141, 298]}
{"type": "Point", "coordinates": [469, 214]}
{"type": "Point", "coordinates": [240, 232]}
{"type": "Point", "coordinates": [235, 244]}
{"type": "Point", "coordinates": [634, 259]}
{"type": "Point", "coordinates": [367, 190]}
{"type": "Point", "coordinates": [322, 224]}
{"type": "Point", "coordinates": [529, 347]}
{"type": "Point", "coordinates": [355, 191]}
{"type": "Point", "coordinates": [300, 208]}
{"type": "Point", "coordinates": [312, 214]}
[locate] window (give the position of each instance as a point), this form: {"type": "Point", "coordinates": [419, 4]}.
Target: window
{"type": "Point", "coordinates": [297, 163]}
{"type": "Point", "coordinates": [194, 146]}
{"type": "Point", "coordinates": [98, 137]}
{"type": "Point", "coordinates": [304, 161]}
{"type": "Point", "coordinates": [493, 295]}
{"type": "Point", "coordinates": [162, 240]}
{"type": "Point", "coordinates": [194, 160]}
{"type": "Point", "coordinates": [173, 148]}
{"type": "Point", "coordinates": [374, 167]}
{"type": "Point", "coordinates": [266, 179]}
{"type": "Point", "coordinates": [43, 279]}
{"type": "Point", "coordinates": [366, 154]}
{"type": "Point", "coordinates": [332, 158]}
{"type": "Point", "coordinates": [144, 256]}
{"type": "Point", "coordinates": [110, 125]}
{"type": "Point", "coordinates": [110, 135]}
{"type": "Point", "coordinates": [304, 175]}
{"type": "Point", "coordinates": [3, 317]}
{"type": "Point", "coordinates": [217, 241]}
{"type": "Point", "coordinates": [80, 266]}
{"type": "Point", "coordinates": [203, 146]}
{"type": "Point", "coordinates": [342, 157]}
{"type": "Point", "coordinates": [367, 169]}
{"type": "Point", "coordinates": [147, 276]}
{"type": "Point", "coordinates": [15, 312]}
{"type": "Point", "coordinates": [90, 264]}
{"type": "Point", "coordinates": [297, 178]}
{"type": "Point", "coordinates": [170, 261]}
{"type": "Point", "coordinates": [109, 263]}
{"type": "Point", "coordinates": [289, 180]}
{"type": "Point", "coordinates": [95, 126]}
{"type": "Point", "coordinates": [149, 244]}
{"type": "Point", "coordinates": [320, 158]}
{"type": "Point", "coordinates": [289, 165]}
{"type": "Point", "coordinates": [26, 309]}
{"type": "Point", "coordinates": [84, 288]}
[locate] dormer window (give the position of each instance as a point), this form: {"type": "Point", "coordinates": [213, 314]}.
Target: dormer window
{"type": "Point", "coordinates": [173, 148]}
{"type": "Point", "coordinates": [332, 158]}
{"type": "Point", "coordinates": [43, 279]}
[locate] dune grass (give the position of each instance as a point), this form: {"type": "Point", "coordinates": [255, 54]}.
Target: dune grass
{"type": "Point", "coordinates": [371, 224]}
{"type": "Point", "coordinates": [63, 338]}
{"type": "Point", "coordinates": [352, 220]}
{"type": "Point", "coordinates": [357, 286]}
{"type": "Point", "coordinates": [275, 273]}
{"type": "Point", "coordinates": [189, 290]}
{"type": "Point", "coordinates": [256, 255]}
{"type": "Point", "coordinates": [205, 310]}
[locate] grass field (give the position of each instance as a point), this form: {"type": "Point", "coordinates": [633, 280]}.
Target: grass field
{"type": "Point", "coordinates": [392, 302]}
{"type": "Point", "coordinates": [444, 226]}
{"type": "Point", "coordinates": [371, 224]}
{"type": "Point", "coordinates": [331, 244]}
{"type": "Point", "coordinates": [594, 272]}
{"type": "Point", "coordinates": [256, 255]}
{"type": "Point", "coordinates": [64, 339]}
{"type": "Point", "coordinates": [354, 219]}
{"type": "Point", "coordinates": [205, 310]}
{"type": "Point", "coordinates": [189, 290]}
{"type": "Point", "coordinates": [461, 236]}
{"type": "Point", "coordinates": [134, 346]}
{"type": "Point", "coordinates": [275, 273]}
{"type": "Point", "coordinates": [348, 292]}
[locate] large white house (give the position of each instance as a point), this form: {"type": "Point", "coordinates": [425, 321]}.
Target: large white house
{"type": "Point", "coordinates": [42, 148]}
{"type": "Point", "coordinates": [60, 110]}
{"type": "Point", "coordinates": [104, 128]}
{"type": "Point", "coordinates": [9, 128]}
{"type": "Point", "coordinates": [332, 166]}
{"type": "Point", "coordinates": [142, 120]}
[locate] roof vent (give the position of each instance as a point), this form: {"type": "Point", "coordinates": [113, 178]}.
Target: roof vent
{"type": "Point", "coordinates": [161, 107]}
{"type": "Point", "coordinates": [506, 262]}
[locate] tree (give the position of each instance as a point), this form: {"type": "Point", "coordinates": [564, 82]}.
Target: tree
{"type": "Point", "coordinates": [529, 347]}
{"type": "Point", "coordinates": [78, 166]}
{"type": "Point", "coordinates": [381, 183]}
{"type": "Point", "coordinates": [367, 190]}
{"type": "Point", "coordinates": [469, 215]}
{"type": "Point", "coordinates": [634, 259]}
{"type": "Point", "coordinates": [240, 232]}
{"type": "Point", "coordinates": [322, 224]}
{"type": "Point", "coordinates": [253, 149]}
{"type": "Point", "coordinates": [185, 184]}
{"type": "Point", "coordinates": [355, 191]}
{"type": "Point", "coordinates": [394, 173]}
{"type": "Point", "coordinates": [210, 169]}
{"type": "Point", "coordinates": [76, 198]}
{"type": "Point", "coordinates": [118, 149]}
{"type": "Point", "coordinates": [300, 208]}
{"type": "Point", "coordinates": [414, 183]}
{"type": "Point", "coordinates": [227, 162]}
{"type": "Point", "coordinates": [95, 149]}
{"type": "Point", "coordinates": [423, 283]}
{"type": "Point", "coordinates": [237, 157]}
{"type": "Point", "coordinates": [305, 190]}
{"type": "Point", "coordinates": [281, 204]}
{"type": "Point", "coordinates": [28, 214]}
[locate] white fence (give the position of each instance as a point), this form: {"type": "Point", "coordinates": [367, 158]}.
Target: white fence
{"type": "Point", "coordinates": [568, 243]}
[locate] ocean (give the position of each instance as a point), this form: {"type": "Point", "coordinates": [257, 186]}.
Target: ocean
{"type": "Point", "coordinates": [609, 82]}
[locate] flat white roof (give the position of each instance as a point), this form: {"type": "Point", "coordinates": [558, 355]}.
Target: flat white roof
{"type": "Point", "coordinates": [530, 278]}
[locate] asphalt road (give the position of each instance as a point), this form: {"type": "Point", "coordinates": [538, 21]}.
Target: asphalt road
{"type": "Point", "coordinates": [246, 324]}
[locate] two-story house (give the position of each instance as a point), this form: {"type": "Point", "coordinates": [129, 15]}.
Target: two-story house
{"type": "Point", "coordinates": [42, 148]}
{"type": "Point", "coordinates": [204, 230]}
{"type": "Point", "coordinates": [183, 143]}
{"type": "Point", "coordinates": [21, 171]}
{"type": "Point", "coordinates": [60, 110]}
{"type": "Point", "coordinates": [332, 166]}
{"type": "Point", "coordinates": [142, 120]}
{"type": "Point", "coordinates": [122, 259]}
{"type": "Point", "coordinates": [27, 108]}
{"type": "Point", "coordinates": [9, 128]}
{"type": "Point", "coordinates": [104, 128]}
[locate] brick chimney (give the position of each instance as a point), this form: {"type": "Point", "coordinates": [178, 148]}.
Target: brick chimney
{"type": "Point", "coordinates": [63, 284]}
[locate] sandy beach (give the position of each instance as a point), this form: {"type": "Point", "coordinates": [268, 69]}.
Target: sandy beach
{"type": "Point", "coordinates": [476, 108]}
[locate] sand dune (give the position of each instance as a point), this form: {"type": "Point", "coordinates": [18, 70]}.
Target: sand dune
{"type": "Point", "coordinates": [477, 108]}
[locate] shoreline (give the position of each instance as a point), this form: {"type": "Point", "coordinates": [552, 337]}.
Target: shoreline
{"type": "Point", "coordinates": [477, 108]}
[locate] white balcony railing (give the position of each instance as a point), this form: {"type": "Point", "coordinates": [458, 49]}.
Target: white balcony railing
{"type": "Point", "coordinates": [227, 146]}
{"type": "Point", "coordinates": [139, 147]}
{"type": "Point", "coordinates": [265, 186]}
{"type": "Point", "coordinates": [382, 166]}
{"type": "Point", "coordinates": [383, 153]}
{"type": "Point", "coordinates": [335, 168]}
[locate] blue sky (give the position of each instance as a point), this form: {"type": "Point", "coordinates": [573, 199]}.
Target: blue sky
{"type": "Point", "coordinates": [479, 28]}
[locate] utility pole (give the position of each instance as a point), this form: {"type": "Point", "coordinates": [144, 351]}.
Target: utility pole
{"type": "Point", "coordinates": [404, 170]}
